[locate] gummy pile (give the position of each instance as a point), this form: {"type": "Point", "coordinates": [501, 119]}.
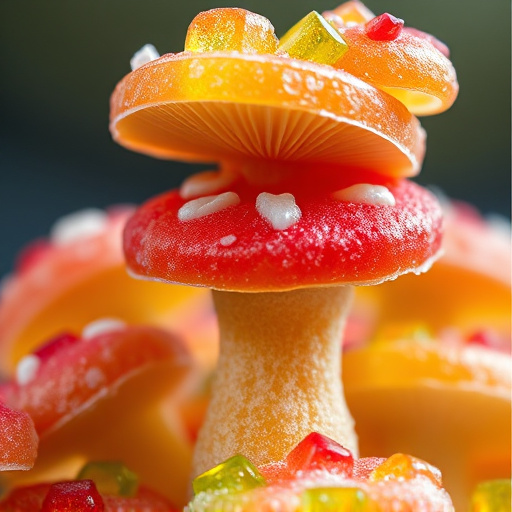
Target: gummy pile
{"type": "Point", "coordinates": [107, 379]}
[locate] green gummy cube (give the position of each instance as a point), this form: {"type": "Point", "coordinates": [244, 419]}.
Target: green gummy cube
{"type": "Point", "coordinates": [237, 474]}
{"type": "Point", "coordinates": [111, 477]}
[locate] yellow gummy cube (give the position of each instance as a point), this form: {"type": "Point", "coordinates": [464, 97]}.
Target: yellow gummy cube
{"type": "Point", "coordinates": [336, 499]}
{"type": "Point", "coordinates": [313, 38]}
{"type": "Point", "coordinates": [492, 496]}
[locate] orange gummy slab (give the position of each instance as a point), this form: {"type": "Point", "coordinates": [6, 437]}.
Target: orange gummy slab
{"type": "Point", "coordinates": [237, 107]}
{"type": "Point", "coordinates": [409, 68]}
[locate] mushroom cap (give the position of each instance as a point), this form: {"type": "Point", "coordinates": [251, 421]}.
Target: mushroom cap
{"type": "Point", "coordinates": [73, 283]}
{"type": "Point", "coordinates": [333, 242]}
{"type": "Point", "coordinates": [109, 395]}
{"type": "Point", "coordinates": [225, 106]}
{"type": "Point", "coordinates": [450, 403]}
{"type": "Point", "coordinates": [410, 68]}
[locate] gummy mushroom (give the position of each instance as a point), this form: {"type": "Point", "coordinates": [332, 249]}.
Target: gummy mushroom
{"type": "Point", "coordinates": [310, 199]}
{"type": "Point", "coordinates": [111, 393]}
{"type": "Point", "coordinates": [77, 275]}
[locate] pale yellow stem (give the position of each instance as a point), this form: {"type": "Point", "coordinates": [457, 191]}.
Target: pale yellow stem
{"type": "Point", "coordinates": [278, 376]}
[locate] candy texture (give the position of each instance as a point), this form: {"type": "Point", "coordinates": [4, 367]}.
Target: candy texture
{"type": "Point", "coordinates": [236, 474]}
{"type": "Point", "coordinates": [328, 487]}
{"type": "Point", "coordinates": [341, 499]}
{"type": "Point", "coordinates": [73, 496]}
{"type": "Point", "coordinates": [314, 39]}
{"type": "Point", "coordinates": [67, 281]}
{"type": "Point", "coordinates": [18, 440]}
{"type": "Point", "coordinates": [384, 27]}
{"type": "Point", "coordinates": [80, 496]}
{"type": "Point", "coordinates": [238, 107]}
{"type": "Point", "coordinates": [230, 29]}
{"type": "Point", "coordinates": [408, 67]}
{"type": "Point", "coordinates": [334, 242]}
{"type": "Point", "coordinates": [108, 397]}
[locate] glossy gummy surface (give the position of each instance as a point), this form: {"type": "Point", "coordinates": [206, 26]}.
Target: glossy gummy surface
{"type": "Point", "coordinates": [234, 475]}
{"type": "Point", "coordinates": [344, 242]}
{"type": "Point", "coordinates": [230, 29]}
{"type": "Point", "coordinates": [112, 478]}
{"type": "Point", "coordinates": [314, 39]}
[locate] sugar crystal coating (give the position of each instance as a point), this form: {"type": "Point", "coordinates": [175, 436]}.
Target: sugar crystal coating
{"type": "Point", "coordinates": [73, 496]}
{"type": "Point", "coordinates": [237, 474]}
{"type": "Point", "coordinates": [335, 499]}
{"type": "Point", "coordinates": [230, 29]}
{"type": "Point", "coordinates": [314, 39]}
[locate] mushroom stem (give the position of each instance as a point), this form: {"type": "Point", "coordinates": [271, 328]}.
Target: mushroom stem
{"type": "Point", "coordinates": [278, 377]}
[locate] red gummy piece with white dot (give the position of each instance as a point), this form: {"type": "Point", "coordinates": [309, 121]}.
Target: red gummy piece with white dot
{"type": "Point", "coordinates": [385, 27]}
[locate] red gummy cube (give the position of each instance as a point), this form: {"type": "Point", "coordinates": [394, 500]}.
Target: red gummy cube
{"type": "Point", "coordinates": [385, 27]}
{"type": "Point", "coordinates": [76, 496]}
{"type": "Point", "coordinates": [319, 452]}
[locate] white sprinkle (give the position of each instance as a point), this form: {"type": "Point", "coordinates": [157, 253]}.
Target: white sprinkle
{"type": "Point", "coordinates": [367, 194]}
{"type": "Point", "coordinates": [280, 210]}
{"type": "Point", "coordinates": [206, 183]}
{"type": "Point", "coordinates": [228, 240]}
{"type": "Point", "coordinates": [207, 205]}
{"type": "Point", "coordinates": [75, 226]}
{"type": "Point", "coordinates": [101, 326]}
{"type": "Point", "coordinates": [27, 369]}
{"type": "Point", "coordinates": [146, 54]}
{"type": "Point", "coordinates": [94, 377]}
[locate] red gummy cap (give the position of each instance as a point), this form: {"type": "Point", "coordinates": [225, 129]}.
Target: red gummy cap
{"type": "Point", "coordinates": [334, 242]}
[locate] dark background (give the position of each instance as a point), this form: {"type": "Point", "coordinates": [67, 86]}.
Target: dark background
{"type": "Point", "coordinates": [60, 60]}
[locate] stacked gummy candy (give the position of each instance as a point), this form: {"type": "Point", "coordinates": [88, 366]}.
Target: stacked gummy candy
{"type": "Point", "coordinates": [310, 192]}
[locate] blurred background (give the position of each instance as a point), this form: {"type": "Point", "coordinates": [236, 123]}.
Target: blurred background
{"type": "Point", "coordinates": [60, 60]}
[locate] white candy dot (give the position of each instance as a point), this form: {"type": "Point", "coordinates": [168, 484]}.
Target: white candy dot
{"type": "Point", "coordinates": [367, 194]}
{"type": "Point", "coordinates": [206, 183]}
{"type": "Point", "coordinates": [102, 326]}
{"type": "Point", "coordinates": [75, 226]}
{"type": "Point", "coordinates": [280, 210]}
{"type": "Point", "coordinates": [146, 54]}
{"type": "Point", "coordinates": [228, 240]}
{"type": "Point", "coordinates": [207, 205]}
{"type": "Point", "coordinates": [27, 369]}
{"type": "Point", "coordinates": [94, 377]}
